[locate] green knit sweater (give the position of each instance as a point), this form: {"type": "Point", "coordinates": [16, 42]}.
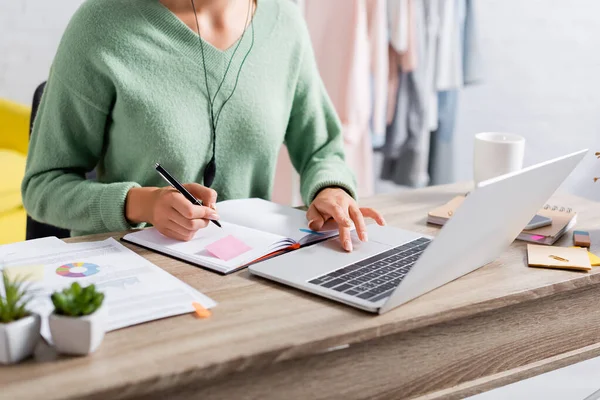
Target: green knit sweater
{"type": "Point", "coordinates": [126, 90]}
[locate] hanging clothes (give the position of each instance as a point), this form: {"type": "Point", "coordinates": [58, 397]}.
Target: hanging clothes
{"type": "Point", "coordinates": [441, 149]}
{"type": "Point", "coordinates": [419, 138]}
{"type": "Point", "coordinates": [449, 79]}
{"type": "Point", "coordinates": [473, 68]}
{"type": "Point", "coordinates": [350, 43]}
{"type": "Point", "coordinates": [406, 151]}
{"type": "Point", "coordinates": [398, 20]}
{"type": "Point", "coordinates": [463, 67]}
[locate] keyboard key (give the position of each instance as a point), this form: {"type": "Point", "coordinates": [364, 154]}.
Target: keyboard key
{"type": "Point", "coordinates": [380, 264]}
{"type": "Point", "coordinates": [366, 286]}
{"type": "Point", "coordinates": [386, 278]}
{"type": "Point", "coordinates": [350, 268]}
{"type": "Point", "coordinates": [343, 287]}
{"type": "Point", "coordinates": [368, 261]}
{"type": "Point", "coordinates": [371, 268]}
{"type": "Point", "coordinates": [317, 281]}
{"type": "Point", "coordinates": [379, 289]}
{"type": "Point", "coordinates": [382, 296]}
{"type": "Point", "coordinates": [367, 295]}
{"type": "Point", "coordinates": [353, 275]}
{"type": "Point", "coordinates": [388, 253]}
{"type": "Point", "coordinates": [358, 280]}
{"type": "Point", "coordinates": [352, 292]}
{"type": "Point", "coordinates": [395, 274]}
{"type": "Point", "coordinates": [333, 283]}
{"type": "Point", "coordinates": [389, 285]}
{"type": "Point", "coordinates": [372, 275]}
{"type": "Point", "coordinates": [379, 281]}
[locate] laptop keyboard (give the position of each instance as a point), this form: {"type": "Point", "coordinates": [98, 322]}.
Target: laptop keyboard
{"type": "Point", "coordinates": [376, 277]}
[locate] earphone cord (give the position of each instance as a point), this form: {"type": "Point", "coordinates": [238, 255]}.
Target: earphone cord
{"type": "Point", "coordinates": [237, 78]}
{"type": "Point", "coordinates": [215, 122]}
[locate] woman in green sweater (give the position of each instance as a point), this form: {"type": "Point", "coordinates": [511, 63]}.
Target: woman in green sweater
{"type": "Point", "coordinates": [191, 84]}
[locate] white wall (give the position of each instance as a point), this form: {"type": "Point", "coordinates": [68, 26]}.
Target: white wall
{"type": "Point", "coordinates": [30, 31]}
{"type": "Point", "coordinates": [542, 77]}
{"type": "Point", "coordinates": [542, 80]}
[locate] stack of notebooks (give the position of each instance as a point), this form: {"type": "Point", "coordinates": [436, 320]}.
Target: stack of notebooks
{"type": "Point", "coordinates": [563, 219]}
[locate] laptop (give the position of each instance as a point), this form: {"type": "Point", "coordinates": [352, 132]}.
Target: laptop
{"type": "Point", "coordinates": [396, 265]}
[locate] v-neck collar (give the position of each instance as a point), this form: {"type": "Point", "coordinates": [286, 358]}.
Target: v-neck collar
{"type": "Point", "coordinates": [188, 41]}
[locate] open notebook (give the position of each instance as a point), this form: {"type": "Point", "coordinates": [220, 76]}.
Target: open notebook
{"type": "Point", "coordinates": [252, 229]}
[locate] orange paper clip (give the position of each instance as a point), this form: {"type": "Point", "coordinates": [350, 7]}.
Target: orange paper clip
{"type": "Point", "coordinates": [201, 312]}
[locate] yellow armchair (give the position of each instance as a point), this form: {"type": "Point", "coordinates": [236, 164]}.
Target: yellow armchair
{"type": "Point", "coordinates": [14, 139]}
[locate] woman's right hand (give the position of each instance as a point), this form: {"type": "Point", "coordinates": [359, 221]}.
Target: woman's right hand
{"type": "Point", "coordinates": [170, 212]}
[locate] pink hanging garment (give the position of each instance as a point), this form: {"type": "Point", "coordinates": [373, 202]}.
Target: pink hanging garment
{"type": "Point", "coordinates": [349, 38]}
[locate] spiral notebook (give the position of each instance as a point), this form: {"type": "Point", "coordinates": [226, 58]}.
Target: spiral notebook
{"type": "Point", "coordinates": [563, 219]}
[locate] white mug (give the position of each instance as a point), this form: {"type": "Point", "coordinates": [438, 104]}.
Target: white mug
{"type": "Point", "coordinates": [497, 154]}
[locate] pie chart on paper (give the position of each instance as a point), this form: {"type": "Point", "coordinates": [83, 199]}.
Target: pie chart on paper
{"type": "Point", "coordinates": [77, 270]}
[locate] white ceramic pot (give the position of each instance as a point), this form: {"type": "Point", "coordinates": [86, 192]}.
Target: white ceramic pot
{"type": "Point", "coordinates": [18, 339]}
{"type": "Point", "coordinates": [78, 335]}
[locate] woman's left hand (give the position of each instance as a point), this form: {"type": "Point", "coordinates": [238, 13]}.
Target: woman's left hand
{"type": "Point", "coordinates": [337, 204]}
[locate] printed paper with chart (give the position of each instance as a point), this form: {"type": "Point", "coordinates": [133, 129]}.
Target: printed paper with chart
{"type": "Point", "coordinates": [136, 290]}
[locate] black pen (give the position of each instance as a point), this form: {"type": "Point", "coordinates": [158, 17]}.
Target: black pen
{"type": "Point", "coordinates": [173, 182]}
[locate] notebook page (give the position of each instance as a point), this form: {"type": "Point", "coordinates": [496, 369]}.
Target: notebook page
{"type": "Point", "coordinates": [194, 251]}
{"type": "Point", "coordinates": [271, 217]}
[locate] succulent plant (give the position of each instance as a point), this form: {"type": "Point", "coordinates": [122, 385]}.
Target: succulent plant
{"type": "Point", "coordinates": [13, 304]}
{"type": "Point", "coordinates": [77, 301]}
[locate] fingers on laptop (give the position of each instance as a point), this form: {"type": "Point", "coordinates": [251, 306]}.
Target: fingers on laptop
{"type": "Point", "coordinates": [373, 214]}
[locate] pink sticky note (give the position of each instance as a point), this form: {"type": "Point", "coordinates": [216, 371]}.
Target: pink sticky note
{"type": "Point", "coordinates": [537, 237]}
{"type": "Point", "coordinates": [227, 248]}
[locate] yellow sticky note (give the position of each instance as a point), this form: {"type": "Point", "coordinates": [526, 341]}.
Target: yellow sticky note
{"type": "Point", "coordinates": [594, 259]}
{"type": "Point", "coordinates": [30, 273]}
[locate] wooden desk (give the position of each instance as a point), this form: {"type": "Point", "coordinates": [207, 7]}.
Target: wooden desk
{"type": "Point", "coordinates": [501, 323]}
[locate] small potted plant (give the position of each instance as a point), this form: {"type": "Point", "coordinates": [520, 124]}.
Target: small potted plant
{"type": "Point", "coordinates": [19, 328]}
{"type": "Point", "coordinates": [77, 324]}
